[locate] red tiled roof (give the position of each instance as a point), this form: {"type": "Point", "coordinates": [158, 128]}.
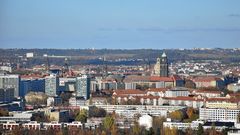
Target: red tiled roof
{"type": "Point", "coordinates": [208, 91]}
{"type": "Point", "coordinates": [158, 78]}
{"type": "Point", "coordinates": [157, 89]}
{"type": "Point", "coordinates": [138, 97]}
{"type": "Point", "coordinates": [184, 98]}
{"type": "Point", "coordinates": [233, 100]}
{"type": "Point", "coordinates": [234, 94]}
{"type": "Point", "coordinates": [128, 92]}
{"type": "Point", "coordinates": [149, 97]}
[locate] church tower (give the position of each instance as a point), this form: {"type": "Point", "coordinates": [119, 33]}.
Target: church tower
{"type": "Point", "coordinates": [161, 66]}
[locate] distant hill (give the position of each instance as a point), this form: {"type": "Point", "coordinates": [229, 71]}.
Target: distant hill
{"type": "Point", "coordinates": [90, 56]}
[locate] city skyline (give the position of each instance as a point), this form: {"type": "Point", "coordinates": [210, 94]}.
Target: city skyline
{"type": "Point", "coordinates": [120, 24]}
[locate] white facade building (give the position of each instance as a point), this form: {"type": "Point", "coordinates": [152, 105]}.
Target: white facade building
{"type": "Point", "coordinates": [6, 68]}
{"type": "Point", "coordinates": [30, 55]}
{"type": "Point", "coordinates": [177, 92]}
{"type": "Point", "coordinates": [130, 85]}
{"type": "Point", "coordinates": [51, 85]}
{"type": "Point", "coordinates": [218, 114]}
{"type": "Point", "coordinates": [181, 126]}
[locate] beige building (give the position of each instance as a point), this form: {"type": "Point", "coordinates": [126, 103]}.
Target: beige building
{"type": "Point", "coordinates": [223, 104]}
{"type": "Point", "coordinates": [60, 116]}
{"type": "Point", "coordinates": [227, 102]}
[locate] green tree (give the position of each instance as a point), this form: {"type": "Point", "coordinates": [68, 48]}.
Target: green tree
{"type": "Point", "coordinates": [65, 131]}
{"type": "Point", "coordinates": [108, 123]}
{"type": "Point", "coordinates": [82, 116]}
{"type": "Point", "coordinates": [200, 129]}
{"type": "Point", "coordinates": [225, 131]}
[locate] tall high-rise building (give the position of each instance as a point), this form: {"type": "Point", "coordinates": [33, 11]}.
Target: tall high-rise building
{"type": "Point", "coordinates": [161, 66]}
{"type": "Point", "coordinates": [83, 87]}
{"type": "Point", "coordinates": [10, 81]}
{"type": "Point", "coordinates": [51, 85]}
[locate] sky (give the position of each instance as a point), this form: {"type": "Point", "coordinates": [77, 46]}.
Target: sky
{"type": "Point", "coordinates": [119, 24]}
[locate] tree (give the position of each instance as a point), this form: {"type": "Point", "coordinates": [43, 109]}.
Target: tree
{"type": "Point", "coordinates": [189, 131]}
{"type": "Point", "coordinates": [65, 131]}
{"type": "Point", "coordinates": [96, 112]}
{"type": "Point", "coordinates": [225, 131]}
{"type": "Point", "coordinates": [136, 130]}
{"type": "Point", "coordinates": [65, 98]}
{"type": "Point", "coordinates": [190, 112]}
{"type": "Point", "coordinates": [82, 116]}
{"type": "Point", "coordinates": [36, 98]}
{"type": "Point", "coordinates": [114, 130]}
{"type": "Point", "coordinates": [213, 130]}
{"type": "Point", "coordinates": [157, 125]}
{"type": "Point", "coordinates": [40, 117]}
{"type": "Point", "coordinates": [200, 129]}
{"type": "Point", "coordinates": [176, 115]}
{"type": "Point", "coordinates": [3, 112]}
{"type": "Point", "coordinates": [189, 84]}
{"type": "Point", "coordinates": [108, 123]}
{"type": "Point", "coordinates": [170, 131]}
{"type": "Point", "coordinates": [90, 101]}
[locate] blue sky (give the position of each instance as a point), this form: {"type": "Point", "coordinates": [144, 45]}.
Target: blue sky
{"type": "Point", "coordinates": [123, 24]}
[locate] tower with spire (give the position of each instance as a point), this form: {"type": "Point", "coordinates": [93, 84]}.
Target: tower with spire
{"type": "Point", "coordinates": [161, 66]}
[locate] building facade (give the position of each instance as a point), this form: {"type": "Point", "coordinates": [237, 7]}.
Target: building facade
{"type": "Point", "coordinates": [176, 92]}
{"type": "Point", "coordinates": [51, 85]}
{"type": "Point", "coordinates": [161, 66]}
{"type": "Point", "coordinates": [218, 114]}
{"type": "Point", "coordinates": [34, 85]}
{"type": "Point", "coordinates": [10, 81]}
{"type": "Point", "coordinates": [6, 94]}
{"type": "Point", "coordinates": [83, 87]}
